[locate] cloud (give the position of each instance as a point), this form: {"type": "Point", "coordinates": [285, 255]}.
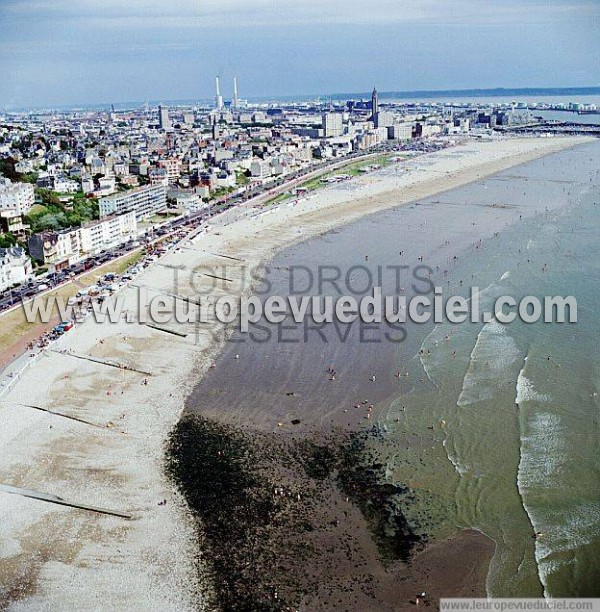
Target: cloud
{"type": "Point", "coordinates": [78, 50]}
{"type": "Point", "coordinates": [187, 14]}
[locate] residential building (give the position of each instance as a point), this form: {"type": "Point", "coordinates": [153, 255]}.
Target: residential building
{"type": "Point", "coordinates": [173, 167]}
{"type": "Point", "coordinates": [384, 119]}
{"type": "Point", "coordinates": [106, 186]}
{"type": "Point", "coordinates": [190, 201]}
{"type": "Point", "coordinates": [130, 181]}
{"type": "Point", "coordinates": [260, 168]}
{"type": "Point", "coordinates": [87, 185]}
{"type": "Point", "coordinates": [120, 169]}
{"type": "Point", "coordinates": [145, 201]}
{"type": "Point", "coordinates": [107, 233]}
{"type": "Point", "coordinates": [15, 267]}
{"type": "Point", "coordinates": [12, 221]}
{"type": "Point", "coordinates": [158, 176]}
{"type": "Point", "coordinates": [63, 184]}
{"type": "Point", "coordinates": [163, 118]}
{"type": "Point", "coordinates": [400, 131]}
{"type": "Point", "coordinates": [16, 196]}
{"type": "Point", "coordinates": [333, 124]}
{"type": "Point", "coordinates": [58, 250]}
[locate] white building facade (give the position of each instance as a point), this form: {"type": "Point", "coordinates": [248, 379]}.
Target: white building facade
{"type": "Point", "coordinates": [59, 250]}
{"type": "Point", "coordinates": [144, 201]}
{"type": "Point", "coordinates": [15, 267]}
{"type": "Point", "coordinates": [16, 196]}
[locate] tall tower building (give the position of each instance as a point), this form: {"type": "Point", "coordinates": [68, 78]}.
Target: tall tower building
{"type": "Point", "coordinates": [374, 102]}
{"type": "Point", "coordinates": [218, 97]}
{"type": "Point", "coordinates": [333, 124]}
{"type": "Point", "coordinates": [235, 94]}
{"type": "Point", "coordinates": [163, 117]}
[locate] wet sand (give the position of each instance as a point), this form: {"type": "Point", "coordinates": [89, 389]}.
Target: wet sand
{"type": "Point", "coordinates": [60, 557]}
{"type": "Point", "coordinates": [308, 522]}
{"type": "Point", "coordinates": [269, 388]}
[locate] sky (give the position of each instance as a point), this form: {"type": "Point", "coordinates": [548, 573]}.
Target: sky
{"type": "Point", "coordinates": [67, 52]}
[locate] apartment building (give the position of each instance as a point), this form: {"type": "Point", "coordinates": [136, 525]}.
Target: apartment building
{"type": "Point", "coordinates": [58, 250]}
{"type": "Point", "coordinates": [144, 201]}
{"type": "Point", "coordinates": [16, 196]}
{"type": "Point", "coordinates": [15, 267]}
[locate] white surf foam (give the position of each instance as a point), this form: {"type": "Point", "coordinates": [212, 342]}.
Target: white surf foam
{"type": "Point", "coordinates": [491, 358]}
{"type": "Point", "coordinates": [526, 391]}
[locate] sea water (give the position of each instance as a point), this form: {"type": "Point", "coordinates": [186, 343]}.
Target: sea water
{"type": "Point", "coordinates": [492, 427]}
{"type": "Point", "coordinates": [516, 406]}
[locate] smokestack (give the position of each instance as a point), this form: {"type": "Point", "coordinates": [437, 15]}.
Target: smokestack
{"type": "Point", "coordinates": [235, 93]}
{"type": "Point", "coordinates": [218, 97]}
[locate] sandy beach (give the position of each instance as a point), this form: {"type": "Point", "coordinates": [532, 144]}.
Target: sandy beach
{"type": "Point", "coordinates": [58, 557]}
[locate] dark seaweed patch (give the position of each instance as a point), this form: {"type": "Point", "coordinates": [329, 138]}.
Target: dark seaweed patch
{"type": "Point", "coordinates": [260, 499]}
{"type": "Point", "coordinates": [362, 480]}
{"type": "Point", "coordinates": [211, 464]}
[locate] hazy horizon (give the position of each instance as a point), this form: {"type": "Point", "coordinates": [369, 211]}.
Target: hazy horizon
{"type": "Point", "coordinates": [582, 94]}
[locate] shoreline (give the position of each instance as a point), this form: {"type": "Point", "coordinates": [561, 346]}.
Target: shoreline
{"type": "Point", "coordinates": [149, 559]}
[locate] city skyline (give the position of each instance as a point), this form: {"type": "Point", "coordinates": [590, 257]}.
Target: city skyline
{"type": "Point", "coordinates": [99, 53]}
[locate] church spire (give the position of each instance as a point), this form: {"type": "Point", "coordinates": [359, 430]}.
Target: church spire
{"type": "Point", "coordinates": [374, 102]}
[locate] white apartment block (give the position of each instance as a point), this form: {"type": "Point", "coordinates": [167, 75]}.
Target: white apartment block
{"type": "Point", "coordinates": [58, 250]}
{"type": "Point", "coordinates": [24, 166]}
{"type": "Point", "coordinates": [16, 196]}
{"type": "Point", "coordinates": [106, 186]}
{"type": "Point", "coordinates": [144, 201]}
{"type": "Point", "coordinates": [333, 124]}
{"type": "Point", "coordinates": [260, 168]}
{"type": "Point", "coordinates": [191, 202]}
{"type": "Point", "coordinates": [15, 267]}
{"type": "Point", "coordinates": [400, 131]}
{"type": "Point", "coordinates": [108, 233]}
{"type": "Point", "coordinates": [121, 169]}
{"type": "Point", "coordinates": [65, 185]}
{"type": "Point", "coordinates": [384, 119]}
{"type": "Point", "coordinates": [87, 184]}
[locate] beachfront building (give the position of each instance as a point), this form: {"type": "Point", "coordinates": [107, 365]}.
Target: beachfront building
{"type": "Point", "coordinates": [16, 196]}
{"type": "Point", "coordinates": [144, 201]}
{"type": "Point", "coordinates": [260, 168]}
{"type": "Point", "coordinates": [58, 250]}
{"type": "Point", "coordinates": [107, 233]}
{"type": "Point", "coordinates": [192, 202]}
{"type": "Point", "coordinates": [15, 267]}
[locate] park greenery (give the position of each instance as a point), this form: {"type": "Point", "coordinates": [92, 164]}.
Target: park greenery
{"type": "Point", "coordinates": [51, 213]}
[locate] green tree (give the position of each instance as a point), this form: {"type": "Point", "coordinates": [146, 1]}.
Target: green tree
{"type": "Point", "coordinates": [7, 240]}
